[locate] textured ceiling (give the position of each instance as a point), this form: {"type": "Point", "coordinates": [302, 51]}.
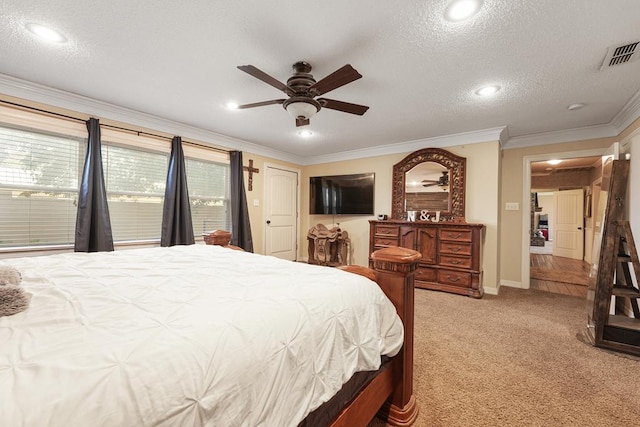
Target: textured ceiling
{"type": "Point", "coordinates": [177, 60]}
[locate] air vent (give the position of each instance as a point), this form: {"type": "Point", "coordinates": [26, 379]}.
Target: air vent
{"type": "Point", "coordinates": [617, 55]}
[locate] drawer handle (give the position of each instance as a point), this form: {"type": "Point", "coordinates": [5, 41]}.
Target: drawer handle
{"type": "Point", "coordinates": [453, 278]}
{"type": "Point", "coordinates": [456, 262]}
{"type": "Point", "coordinates": [456, 249]}
{"type": "Point", "coordinates": [455, 236]}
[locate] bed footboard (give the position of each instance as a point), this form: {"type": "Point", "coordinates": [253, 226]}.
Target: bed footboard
{"type": "Point", "coordinates": [393, 271]}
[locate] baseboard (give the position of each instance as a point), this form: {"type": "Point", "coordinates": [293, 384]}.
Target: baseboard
{"type": "Point", "coordinates": [513, 284]}
{"type": "Point", "coordinates": [491, 290]}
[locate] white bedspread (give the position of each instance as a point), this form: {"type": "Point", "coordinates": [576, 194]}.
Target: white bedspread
{"type": "Point", "coordinates": [185, 336]}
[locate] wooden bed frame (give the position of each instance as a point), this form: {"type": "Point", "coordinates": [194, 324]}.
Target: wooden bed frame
{"type": "Point", "coordinates": [390, 393]}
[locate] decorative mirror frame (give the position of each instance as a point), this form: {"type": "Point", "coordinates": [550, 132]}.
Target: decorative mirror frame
{"type": "Point", "coordinates": [455, 164]}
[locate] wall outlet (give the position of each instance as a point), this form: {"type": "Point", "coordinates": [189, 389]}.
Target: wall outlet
{"type": "Point", "coordinates": [512, 206]}
{"type": "Point", "coordinates": [256, 202]}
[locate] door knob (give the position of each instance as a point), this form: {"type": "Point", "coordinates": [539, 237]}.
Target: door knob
{"type": "Point", "coordinates": [268, 221]}
{"type": "Point", "coordinates": [579, 228]}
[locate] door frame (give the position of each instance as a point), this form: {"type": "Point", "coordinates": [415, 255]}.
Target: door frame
{"type": "Point", "coordinates": [268, 165]}
{"type": "Point", "coordinates": [525, 277]}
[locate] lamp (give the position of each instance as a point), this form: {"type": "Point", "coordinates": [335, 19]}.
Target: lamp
{"type": "Point", "coordinates": [301, 108]}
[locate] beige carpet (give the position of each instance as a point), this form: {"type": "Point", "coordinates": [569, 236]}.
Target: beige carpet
{"type": "Point", "coordinates": [562, 276]}
{"type": "Point", "coordinates": [517, 359]}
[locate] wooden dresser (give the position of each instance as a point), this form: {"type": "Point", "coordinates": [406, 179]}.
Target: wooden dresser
{"type": "Point", "coordinates": [451, 252]}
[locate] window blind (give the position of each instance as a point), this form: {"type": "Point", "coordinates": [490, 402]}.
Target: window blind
{"type": "Point", "coordinates": [208, 183]}
{"type": "Point", "coordinates": [39, 180]}
{"type": "Point", "coordinates": [135, 181]}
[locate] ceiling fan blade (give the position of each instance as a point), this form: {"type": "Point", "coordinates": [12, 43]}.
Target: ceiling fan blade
{"type": "Point", "coordinates": [261, 75]}
{"type": "Point", "coordinates": [260, 104]}
{"type": "Point", "coordinates": [338, 78]}
{"type": "Point", "coordinates": [346, 107]}
{"type": "Point", "coordinates": [302, 122]}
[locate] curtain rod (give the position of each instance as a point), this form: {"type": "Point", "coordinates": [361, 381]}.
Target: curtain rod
{"type": "Point", "coordinates": [138, 132]}
{"type": "Point", "coordinates": [28, 107]}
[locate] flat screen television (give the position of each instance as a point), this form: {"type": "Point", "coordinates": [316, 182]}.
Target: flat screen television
{"type": "Point", "coordinates": [342, 194]}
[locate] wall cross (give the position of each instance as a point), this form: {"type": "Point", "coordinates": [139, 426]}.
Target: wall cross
{"type": "Point", "coordinates": [251, 171]}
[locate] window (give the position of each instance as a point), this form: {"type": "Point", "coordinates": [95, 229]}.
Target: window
{"type": "Point", "coordinates": [39, 181]}
{"type": "Point", "coordinates": [41, 164]}
{"type": "Point", "coordinates": [135, 181]}
{"type": "Point", "coordinates": [208, 182]}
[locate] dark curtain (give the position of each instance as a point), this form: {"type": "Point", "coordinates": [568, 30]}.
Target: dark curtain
{"type": "Point", "coordinates": [240, 226]}
{"type": "Point", "coordinates": [93, 225]}
{"type": "Point", "coordinates": [177, 228]}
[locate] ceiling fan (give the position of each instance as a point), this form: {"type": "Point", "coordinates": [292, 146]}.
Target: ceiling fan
{"type": "Point", "coordinates": [302, 90]}
{"type": "Point", "coordinates": [443, 181]}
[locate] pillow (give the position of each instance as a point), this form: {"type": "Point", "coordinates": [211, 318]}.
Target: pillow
{"type": "Point", "coordinates": [9, 275]}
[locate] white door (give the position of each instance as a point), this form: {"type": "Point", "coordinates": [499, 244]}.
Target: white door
{"type": "Point", "coordinates": [281, 212]}
{"type": "Point", "coordinates": [569, 221]}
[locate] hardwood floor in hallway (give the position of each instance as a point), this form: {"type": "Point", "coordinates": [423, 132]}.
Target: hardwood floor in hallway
{"type": "Point", "coordinates": [560, 264]}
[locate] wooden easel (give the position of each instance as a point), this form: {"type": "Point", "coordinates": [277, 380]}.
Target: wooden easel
{"type": "Point", "coordinates": [617, 267]}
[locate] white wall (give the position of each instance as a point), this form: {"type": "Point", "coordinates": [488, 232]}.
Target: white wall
{"type": "Point", "coordinates": [631, 144]}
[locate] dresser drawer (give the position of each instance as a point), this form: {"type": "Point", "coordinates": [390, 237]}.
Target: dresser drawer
{"type": "Point", "coordinates": [385, 241]}
{"type": "Point", "coordinates": [456, 235]}
{"type": "Point", "coordinates": [455, 248]}
{"type": "Point", "coordinates": [387, 230]}
{"type": "Point", "coordinates": [455, 278]}
{"type": "Point", "coordinates": [426, 274]}
{"type": "Point", "coordinates": [455, 261]}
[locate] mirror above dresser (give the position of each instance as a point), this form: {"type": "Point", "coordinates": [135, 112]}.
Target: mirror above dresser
{"type": "Point", "coordinates": [430, 179]}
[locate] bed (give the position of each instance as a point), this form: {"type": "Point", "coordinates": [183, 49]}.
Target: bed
{"type": "Point", "coordinates": [204, 335]}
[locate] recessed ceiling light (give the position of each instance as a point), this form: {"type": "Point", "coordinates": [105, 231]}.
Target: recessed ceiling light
{"type": "Point", "coordinates": [575, 106]}
{"type": "Point", "coordinates": [554, 162]}
{"type": "Point", "coordinates": [305, 133]}
{"type": "Point", "coordinates": [231, 105]}
{"type": "Point", "coordinates": [462, 9]}
{"type": "Point", "coordinates": [45, 33]}
{"type": "Point", "coordinates": [488, 90]}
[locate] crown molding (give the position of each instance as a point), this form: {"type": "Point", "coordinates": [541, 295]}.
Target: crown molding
{"type": "Point", "coordinates": [628, 114]}
{"type": "Point", "coordinates": [19, 88]}
{"type": "Point", "coordinates": [464, 138]}
{"type": "Point", "coordinates": [569, 135]}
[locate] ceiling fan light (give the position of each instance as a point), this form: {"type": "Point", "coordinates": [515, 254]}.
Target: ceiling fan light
{"type": "Point", "coordinates": [301, 109]}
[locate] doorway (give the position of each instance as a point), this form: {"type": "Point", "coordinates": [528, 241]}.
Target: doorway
{"type": "Point", "coordinates": [557, 232]}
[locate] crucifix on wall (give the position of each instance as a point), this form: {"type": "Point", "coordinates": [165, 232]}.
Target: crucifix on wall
{"type": "Point", "coordinates": [251, 171]}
